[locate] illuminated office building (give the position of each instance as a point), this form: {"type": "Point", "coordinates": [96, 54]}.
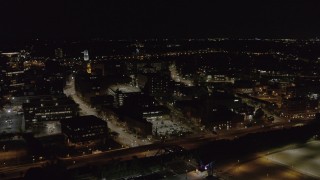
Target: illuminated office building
{"type": "Point", "coordinates": [49, 108]}
{"type": "Point", "coordinates": [84, 130]}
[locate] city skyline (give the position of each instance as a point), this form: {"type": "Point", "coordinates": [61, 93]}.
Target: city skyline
{"type": "Point", "coordinates": [159, 90]}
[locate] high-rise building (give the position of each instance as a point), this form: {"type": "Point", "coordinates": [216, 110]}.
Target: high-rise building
{"type": "Point", "coordinates": [13, 71]}
{"type": "Point", "coordinates": [58, 53]}
{"type": "Point", "coordinates": [89, 69]}
{"type": "Point", "coordinates": [159, 85]}
{"type": "Point", "coordinates": [2, 76]}
{"type": "Point", "coordinates": [86, 55]}
{"type": "Point", "coordinates": [86, 58]}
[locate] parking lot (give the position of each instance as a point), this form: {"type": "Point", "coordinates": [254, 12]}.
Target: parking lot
{"type": "Point", "coordinates": [10, 122]}
{"type": "Point", "coordinates": [166, 127]}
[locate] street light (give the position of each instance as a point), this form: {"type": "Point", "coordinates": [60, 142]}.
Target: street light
{"type": "Point", "coordinates": [186, 174]}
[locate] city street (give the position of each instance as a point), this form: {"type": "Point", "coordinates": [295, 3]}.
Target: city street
{"type": "Point", "coordinates": [176, 77]}
{"type": "Point", "coordinates": [256, 105]}
{"type": "Point", "coordinates": [124, 138]}
{"type": "Point", "coordinates": [12, 172]}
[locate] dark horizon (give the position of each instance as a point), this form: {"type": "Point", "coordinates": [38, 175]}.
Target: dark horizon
{"type": "Point", "coordinates": [169, 19]}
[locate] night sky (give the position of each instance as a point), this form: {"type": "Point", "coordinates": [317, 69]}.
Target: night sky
{"type": "Point", "coordinates": [159, 18]}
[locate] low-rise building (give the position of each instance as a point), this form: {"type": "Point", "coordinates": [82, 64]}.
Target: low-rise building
{"type": "Point", "coordinates": [121, 92]}
{"type": "Point", "coordinates": [218, 111]}
{"type": "Point", "coordinates": [84, 130]}
{"type": "Point", "coordinates": [144, 106]}
{"type": "Point", "coordinates": [138, 125]}
{"type": "Point", "coordinates": [49, 108]}
{"type": "Point", "coordinates": [299, 108]}
{"type": "Point", "coordinates": [244, 87]}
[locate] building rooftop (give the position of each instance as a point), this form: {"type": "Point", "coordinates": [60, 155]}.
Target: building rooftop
{"type": "Point", "coordinates": [83, 122]}
{"type": "Point", "coordinates": [125, 88]}
{"type": "Point", "coordinates": [49, 101]}
{"type": "Point", "coordinates": [9, 54]}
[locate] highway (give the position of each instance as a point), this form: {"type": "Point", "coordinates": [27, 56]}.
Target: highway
{"type": "Point", "coordinates": [150, 150]}
{"type": "Point", "coordinates": [11, 172]}
{"type": "Point", "coordinates": [188, 143]}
